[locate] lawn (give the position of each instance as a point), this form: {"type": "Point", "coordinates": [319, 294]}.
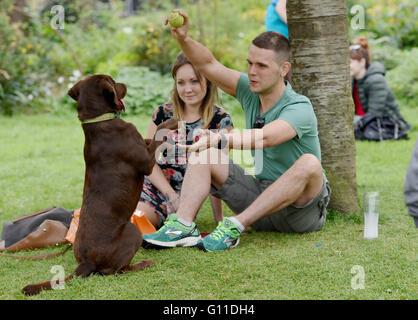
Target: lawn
{"type": "Point", "coordinates": [41, 164]}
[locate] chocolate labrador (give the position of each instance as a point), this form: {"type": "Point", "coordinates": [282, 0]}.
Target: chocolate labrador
{"type": "Point", "coordinates": [116, 158]}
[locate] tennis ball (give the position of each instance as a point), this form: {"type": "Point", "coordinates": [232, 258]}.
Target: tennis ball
{"type": "Point", "coordinates": [175, 19]}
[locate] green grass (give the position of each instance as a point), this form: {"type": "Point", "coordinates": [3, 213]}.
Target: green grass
{"type": "Point", "coordinates": [41, 164]}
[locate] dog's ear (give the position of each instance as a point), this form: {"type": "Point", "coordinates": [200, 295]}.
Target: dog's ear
{"type": "Point", "coordinates": [109, 93]}
{"type": "Point", "coordinates": [74, 92]}
{"type": "Point", "coordinates": [121, 90]}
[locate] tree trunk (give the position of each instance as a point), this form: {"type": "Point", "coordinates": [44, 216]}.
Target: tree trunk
{"type": "Point", "coordinates": [318, 32]}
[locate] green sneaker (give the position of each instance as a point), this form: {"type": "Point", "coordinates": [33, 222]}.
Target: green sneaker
{"type": "Point", "coordinates": [172, 234]}
{"type": "Point", "coordinates": [225, 236]}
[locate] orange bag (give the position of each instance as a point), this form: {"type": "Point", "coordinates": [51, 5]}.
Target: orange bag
{"type": "Point", "coordinates": [138, 218]}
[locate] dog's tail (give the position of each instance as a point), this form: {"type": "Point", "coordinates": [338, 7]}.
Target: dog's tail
{"type": "Point", "coordinates": [83, 270]}
{"type": "Point", "coordinates": [36, 257]}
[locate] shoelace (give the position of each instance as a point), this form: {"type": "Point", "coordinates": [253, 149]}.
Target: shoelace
{"type": "Point", "coordinates": [220, 230]}
{"type": "Point", "coordinates": [168, 223]}
{"type": "Point", "coordinates": [172, 222]}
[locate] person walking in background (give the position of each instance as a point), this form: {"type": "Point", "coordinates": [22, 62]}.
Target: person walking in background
{"type": "Point", "coordinates": [276, 17]}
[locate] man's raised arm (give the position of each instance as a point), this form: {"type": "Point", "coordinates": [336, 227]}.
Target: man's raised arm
{"type": "Point", "coordinates": [203, 59]}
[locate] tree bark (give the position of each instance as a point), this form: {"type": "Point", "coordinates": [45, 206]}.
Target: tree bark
{"type": "Point", "coordinates": [318, 32]}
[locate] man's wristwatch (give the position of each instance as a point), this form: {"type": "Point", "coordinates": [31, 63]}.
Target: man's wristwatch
{"type": "Point", "coordinates": [222, 142]}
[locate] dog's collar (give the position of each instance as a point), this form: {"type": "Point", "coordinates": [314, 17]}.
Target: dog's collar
{"type": "Point", "coordinates": [103, 117]}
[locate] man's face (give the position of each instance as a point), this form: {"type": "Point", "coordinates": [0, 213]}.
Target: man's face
{"type": "Point", "coordinates": [263, 70]}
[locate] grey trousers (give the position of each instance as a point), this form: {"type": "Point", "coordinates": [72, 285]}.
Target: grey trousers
{"type": "Point", "coordinates": [241, 189]}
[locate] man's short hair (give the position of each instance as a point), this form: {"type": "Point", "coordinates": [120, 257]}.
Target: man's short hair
{"type": "Point", "coordinates": [275, 41]}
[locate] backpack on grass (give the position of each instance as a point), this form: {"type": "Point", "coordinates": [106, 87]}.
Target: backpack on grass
{"type": "Point", "coordinates": [378, 128]}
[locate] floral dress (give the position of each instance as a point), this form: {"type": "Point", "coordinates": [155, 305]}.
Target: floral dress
{"type": "Point", "coordinates": [173, 161]}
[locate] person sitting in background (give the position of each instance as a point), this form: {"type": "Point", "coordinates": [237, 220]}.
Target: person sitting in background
{"type": "Point", "coordinates": [370, 90]}
{"type": "Point", "coordinates": [411, 186]}
{"type": "Point", "coordinates": [276, 17]}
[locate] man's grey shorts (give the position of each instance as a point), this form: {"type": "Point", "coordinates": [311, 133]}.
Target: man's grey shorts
{"type": "Point", "coordinates": [241, 189]}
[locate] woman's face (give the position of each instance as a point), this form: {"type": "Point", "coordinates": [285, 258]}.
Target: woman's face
{"type": "Point", "coordinates": [188, 86]}
{"type": "Point", "coordinates": [357, 67]}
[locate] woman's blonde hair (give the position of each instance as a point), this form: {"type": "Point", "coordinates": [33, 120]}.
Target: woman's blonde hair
{"type": "Point", "coordinates": [209, 101]}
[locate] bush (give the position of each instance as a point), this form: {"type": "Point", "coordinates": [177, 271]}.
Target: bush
{"type": "Point", "coordinates": [24, 67]}
{"type": "Point", "coordinates": [404, 78]}
{"type": "Point", "coordinates": [396, 19]}
{"type": "Point", "coordinates": [385, 52]}
{"type": "Point", "coordinates": [146, 89]}
{"type": "Point", "coordinates": [225, 27]}
{"type": "Point", "coordinates": [154, 46]}
{"type": "Point", "coordinates": [101, 41]}
{"type": "Point", "coordinates": [36, 63]}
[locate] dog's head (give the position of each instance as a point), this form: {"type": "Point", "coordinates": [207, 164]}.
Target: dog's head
{"type": "Point", "coordinates": [96, 95]}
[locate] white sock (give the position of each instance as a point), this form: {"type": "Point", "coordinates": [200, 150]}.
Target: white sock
{"type": "Point", "coordinates": [241, 228]}
{"type": "Point", "coordinates": [184, 222]}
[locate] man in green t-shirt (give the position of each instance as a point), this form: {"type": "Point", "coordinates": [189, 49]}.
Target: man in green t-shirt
{"type": "Point", "coordinates": [289, 192]}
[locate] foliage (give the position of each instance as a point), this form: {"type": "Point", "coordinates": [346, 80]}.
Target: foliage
{"type": "Point", "coordinates": [38, 64]}
{"type": "Point", "coordinates": [404, 78]}
{"type": "Point", "coordinates": [33, 57]}
{"type": "Point", "coordinates": [24, 67]}
{"type": "Point", "coordinates": [226, 28]}
{"type": "Point", "coordinates": [101, 46]}
{"type": "Point", "coordinates": [385, 52]}
{"type": "Point", "coordinates": [154, 45]}
{"type": "Point", "coordinates": [397, 19]}
{"type": "Point", "coordinates": [146, 89]}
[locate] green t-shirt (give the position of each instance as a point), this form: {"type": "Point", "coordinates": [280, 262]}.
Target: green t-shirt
{"type": "Point", "coordinates": [295, 109]}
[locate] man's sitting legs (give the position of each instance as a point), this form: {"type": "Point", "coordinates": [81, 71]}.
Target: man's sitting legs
{"type": "Point", "coordinates": [301, 183]}
{"type": "Point", "coordinates": [300, 196]}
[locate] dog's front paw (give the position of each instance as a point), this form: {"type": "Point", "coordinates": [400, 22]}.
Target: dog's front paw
{"type": "Point", "coordinates": [169, 124]}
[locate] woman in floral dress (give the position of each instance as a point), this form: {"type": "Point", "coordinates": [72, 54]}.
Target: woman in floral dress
{"type": "Point", "coordinates": [193, 102]}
